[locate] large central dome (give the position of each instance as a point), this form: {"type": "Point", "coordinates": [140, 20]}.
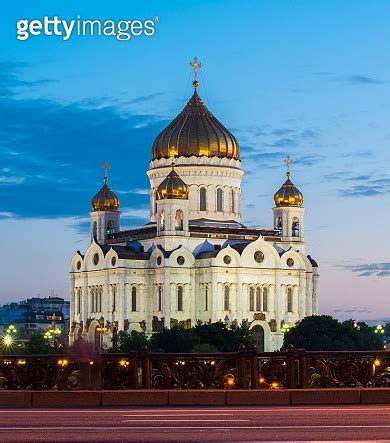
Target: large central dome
{"type": "Point", "coordinates": [195, 131]}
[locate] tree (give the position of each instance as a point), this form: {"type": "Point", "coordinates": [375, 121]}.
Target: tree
{"type": "Point", "coordinates": [133, 341]}
{"type": "Point", "coordinates": [174, 340]}
{"type": "Point", "coordinates": [223, 337]}
{"type": "Point", "coordinates": [324, 333]}
{"type": "Point", "coordinates": [38, 344]}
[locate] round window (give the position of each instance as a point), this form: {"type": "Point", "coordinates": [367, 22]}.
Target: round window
{"type": "Point", "coordinates": [159, 260]}
{"type": "Point", "coordinates": [227, 259]}
{"type": "Point", "coordinates": [78, 266]}
{"type": "Point", "coordinates": [96, 259]}
{"type": "Point", "coordinates": [290, 262]}
{"type": "Point", "coordinates": [113, 261]}
{"type": "Point", "coordinates": [259, 256]}
{"type": "Point", "coordinates": [180, 260]}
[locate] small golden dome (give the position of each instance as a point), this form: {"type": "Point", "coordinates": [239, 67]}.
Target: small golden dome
{"type": "Point", "coordinates": [172, 187]}
{"type": "Point", "coordinates": [105, 199]}
{"type": "Point", "coordinates": [288, 194]}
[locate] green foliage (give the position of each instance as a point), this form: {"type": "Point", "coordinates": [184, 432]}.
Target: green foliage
{"type": "Point", "coordinates": [207, 337]}
{"type": "Point", "coordinates": [133, 341]}
{"type": "Point", "coordinates": [174, 340]}
{"type": "Point", "coordinates": [224, 338]}
{"type": "Point", "coordinates": [38, 344]}
{"type": "Point", "coordinates": [324, 333]}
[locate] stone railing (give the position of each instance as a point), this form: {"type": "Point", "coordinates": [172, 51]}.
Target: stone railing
{"type": "Point", "coordinates": [245, 369]}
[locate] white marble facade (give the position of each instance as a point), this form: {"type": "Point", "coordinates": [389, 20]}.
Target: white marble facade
{"type": "Point", "coordinates": [194, 261]}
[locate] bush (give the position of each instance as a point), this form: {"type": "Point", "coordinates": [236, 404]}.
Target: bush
{"type": "Point", "coordinates": [324, 333]}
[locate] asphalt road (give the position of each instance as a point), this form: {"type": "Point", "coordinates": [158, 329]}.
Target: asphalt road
{"type": "Point", "coordinates": [197, 424]}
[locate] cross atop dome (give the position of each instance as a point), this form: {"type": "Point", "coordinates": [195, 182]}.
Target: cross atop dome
{"type": "Point", "coordinates": [106, 167]}
{"type": "Point", "coordinates": [288, 163]}
{"type": "Point", "coordinates": [196, 66]}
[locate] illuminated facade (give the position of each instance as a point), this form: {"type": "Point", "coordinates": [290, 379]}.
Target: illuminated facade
{"type": "Point", "coordinates": [194, 261]}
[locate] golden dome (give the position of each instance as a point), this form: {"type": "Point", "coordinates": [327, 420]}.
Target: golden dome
{"type": "Point", "coordinates": [105, 199]}
{"type": "Point", "coordinates": [288, 194]}
{"type": "Point", "coordinates": [195, 131]}
{"type": "Point", "coordinates": [172, 187]}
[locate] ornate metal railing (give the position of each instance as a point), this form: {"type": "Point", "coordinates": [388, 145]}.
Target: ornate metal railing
{"type": "Point", "coordinates": [245, 369]}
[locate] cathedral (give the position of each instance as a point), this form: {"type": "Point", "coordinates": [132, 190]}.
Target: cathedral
{"type": "Point", "coordinates": [194, 261]}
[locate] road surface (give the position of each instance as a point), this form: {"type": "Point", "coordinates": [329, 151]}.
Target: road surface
{"type": "Point", "coordinates": [197, 424]}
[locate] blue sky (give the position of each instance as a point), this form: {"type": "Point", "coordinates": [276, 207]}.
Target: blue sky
{"type": "Point", "coordinates": [305, 79]}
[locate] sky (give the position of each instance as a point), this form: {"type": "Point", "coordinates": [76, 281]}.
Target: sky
{"type": "Point", "coordinates": [306, 79]}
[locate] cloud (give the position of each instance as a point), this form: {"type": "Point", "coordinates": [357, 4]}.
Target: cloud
{"type": "Point", "coordinates": [369, 269]}
{"type": "Point", "coordinates": [361, 191]}
{"type": "Point", "coordinates": [139, 191]}
{"type": "Point", "coordinates": [52, 152]}
{"type": "Point", "coordinates": [353, 310]}
{"type": "Point", "coordinates": [351, 79]}
{"type": "Point", "coordinates": [358, 79]}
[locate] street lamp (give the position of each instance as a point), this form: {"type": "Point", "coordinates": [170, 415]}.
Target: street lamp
{"type": "Point", "coordinates": [11, 330]}
{"type": "Point", "coordinates": [101, 329]}
{"type": "Point", "coordinates": [379, 329]}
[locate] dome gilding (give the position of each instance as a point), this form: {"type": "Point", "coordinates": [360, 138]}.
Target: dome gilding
{"type": "Point", "coordinates": [105, 199]}
{"type": "Point", "coordinates": [172, 187]}
{"type": "Point", "coordinates": [288, 195]}
{"type": "Point", "coordinates": [195, 132]}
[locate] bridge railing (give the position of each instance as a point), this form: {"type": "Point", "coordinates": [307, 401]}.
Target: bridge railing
{"type": "Point", "coordinates": [245, 369]}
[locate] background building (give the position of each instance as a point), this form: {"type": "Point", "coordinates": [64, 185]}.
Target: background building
{"type": "Point", "coordinates": [35, 315]}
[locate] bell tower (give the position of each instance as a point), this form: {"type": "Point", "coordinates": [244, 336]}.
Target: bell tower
{"type": "Point", "coordinates": [172, 206]}
{"type": "Point", "coordinates": [289, 212]}
{"type": "Point", "coordinates": [105, 215]}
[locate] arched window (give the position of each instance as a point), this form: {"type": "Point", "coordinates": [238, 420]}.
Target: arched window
{"type": "Point", "coordinates": [278, 223]}
{"type": "Point", "coordinates": [232, 200]}
{"type": "Point", "coordinates": [206, 298]}
{"type": "Point", "coordinates": [134, 299]}
{"type": "Point", "coordinates": [219, 200]}
{"type": "Point", "coordinates": [265, 299]}
{"type": "Point", "coordinates": [110, 227]}
{"type": "Point", "coordinates": [100, 298]}
{"type": "Point", "coordinates": [94, 229]}
{"type": "Point", "coordinates": [159, 301]}
{"type": "Point", "coordinates": [258, 299]}
{"type": "Point", "coordinates": [162, 220]}
{"type": "Point", "coordinates": [155, 201]}
{"type": "Point", "coordinates": [202, 199]}
{"type": "Point", "coordinates": [180, 298]}
{"type": "Point", "coordinates": [92, 299]}
{"type": "Point", "coordinates": [79, 300]}
{"type": "Point", "coordinates": [113, 289]}
{"type": "Point", "coordinates": [289, 300]}
{"type": "Point", "coordinates": [179, 220]}
{"type": "Point", "coordinates": [251, 299]}
{"type": "Point", "coordinates": [295, 227]}
{"type": "Point", "coordinates": [226, 301]}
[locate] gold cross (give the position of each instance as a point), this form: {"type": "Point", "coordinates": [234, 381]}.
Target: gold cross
{"type": "Point", "coordinates": [106, 167]}
{"type": "Point", "coordinates": [196, 65]}
{"type": "Point", "coordinates": [288, 162]}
